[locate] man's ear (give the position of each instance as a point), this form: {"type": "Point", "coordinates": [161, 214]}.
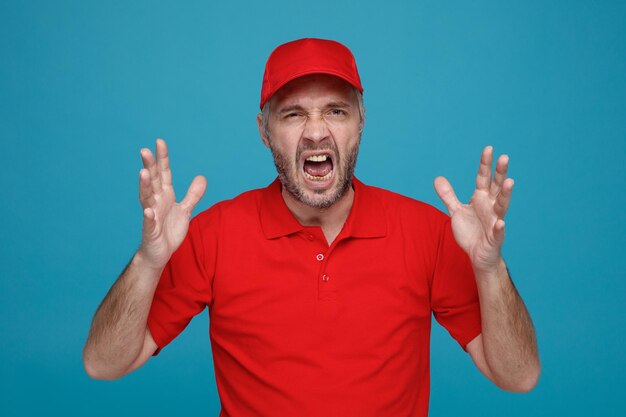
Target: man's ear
{"type": "Point", "coordinates": [259, 124]}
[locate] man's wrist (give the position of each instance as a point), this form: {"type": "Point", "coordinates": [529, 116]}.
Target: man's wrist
{"type": "Point", "coordinates": [142, 263]}
{"type": "Point", "coordinates": [491, 273]}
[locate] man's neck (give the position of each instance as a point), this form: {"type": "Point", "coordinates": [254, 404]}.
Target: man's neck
{"type": "Point", "coordinates": [330, 219]}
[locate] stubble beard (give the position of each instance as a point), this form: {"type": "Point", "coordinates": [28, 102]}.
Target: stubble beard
{"type": "Point", "coordinates": [288, 175]}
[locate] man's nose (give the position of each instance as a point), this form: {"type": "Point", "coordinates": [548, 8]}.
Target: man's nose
{"type": "Point", "coordinates": [315, 128]}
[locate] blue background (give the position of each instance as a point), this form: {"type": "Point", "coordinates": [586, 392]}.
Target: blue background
{"type": "Point", "coordinates": [85, 85]}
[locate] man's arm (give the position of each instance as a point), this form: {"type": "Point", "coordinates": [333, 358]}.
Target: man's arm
{"type": "Point", "coordinates": [119, 340]}
{"type": "Point", "coordinates": [506, 351]}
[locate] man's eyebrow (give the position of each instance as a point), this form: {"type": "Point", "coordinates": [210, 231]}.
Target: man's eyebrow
{"type": "Point", "coordinates": [289, 109]}
{"type": "Point", "coordinates": [331, 104]}
{"type": "Point", "coordinates": [338, 104]}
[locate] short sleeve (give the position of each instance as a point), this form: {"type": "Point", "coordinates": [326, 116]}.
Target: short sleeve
{"type": "Point", "coordinates": [185, 286]}
{"type": "Point", "coordinates": [454, 295]}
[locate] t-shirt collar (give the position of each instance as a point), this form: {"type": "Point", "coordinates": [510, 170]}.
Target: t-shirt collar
{"type": "Point", "coordinates": [366, 219]}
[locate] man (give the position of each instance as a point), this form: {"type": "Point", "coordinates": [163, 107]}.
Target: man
{"type": "Point", "coordinates": [320, 288]}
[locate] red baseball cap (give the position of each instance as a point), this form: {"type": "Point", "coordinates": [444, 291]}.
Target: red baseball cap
{"type": "Point", "coordinates": [308, 56]}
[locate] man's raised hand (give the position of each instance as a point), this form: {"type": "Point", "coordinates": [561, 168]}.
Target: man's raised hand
{"type": "Point", "coordinates": [478, 227]}
{"type": "Point", "coordinates": [165, 222]}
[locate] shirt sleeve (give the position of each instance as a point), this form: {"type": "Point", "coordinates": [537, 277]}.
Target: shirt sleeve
{"type": "Point", "coordinates": [454, 295]}
{"type": "Point", "coordinates": [185, 286]}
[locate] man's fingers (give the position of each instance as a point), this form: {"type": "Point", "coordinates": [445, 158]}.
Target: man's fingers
{"type": "Point", "coordinates": [447, 195]}
{"type": "Point", "coordinates": [483, 179]}
{"type": "Point", "coordinates": [150, 164]}
{"type": "Point", "coordinates": [194, 194]}
{"type": "Point", "coordinates": [146, 196]}
{"type": "Point", "coordinates": [500, 175]}
{"type": "Point", "coordinates": [163, 162]}
{"type": "Point", "coordinates": [504, 198]}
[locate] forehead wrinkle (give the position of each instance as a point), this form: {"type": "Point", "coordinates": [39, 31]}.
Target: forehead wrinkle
{"type": "Point", "coordinates": [311, 88]}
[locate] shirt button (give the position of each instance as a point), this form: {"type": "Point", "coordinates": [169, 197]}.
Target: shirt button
{"type": "Point", "coordinates": [320, 257]}
{"type": "Point", "coordinates": [310, 237]}
{"type": "Point", "coordinates": [325, 278]}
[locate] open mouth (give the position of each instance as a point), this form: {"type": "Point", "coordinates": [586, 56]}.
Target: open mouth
{"type": "Point", "coordinates": [318, 167]}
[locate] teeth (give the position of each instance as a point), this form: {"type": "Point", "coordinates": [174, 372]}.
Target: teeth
{"type": "Point", "coordinates": [312, 178]}
{"type": "Point", "coordinates": [317, 158]}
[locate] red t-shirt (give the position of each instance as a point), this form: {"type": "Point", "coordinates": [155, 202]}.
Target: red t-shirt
{"type": "Point", "coordinates": [299, 328]}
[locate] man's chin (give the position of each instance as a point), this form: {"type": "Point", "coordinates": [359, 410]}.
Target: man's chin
{"type": "Point", "coordinates": [320, 198]}
{"type": "Point", "coordinates": [313, 194]}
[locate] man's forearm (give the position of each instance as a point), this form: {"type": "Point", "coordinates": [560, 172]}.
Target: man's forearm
{"type": "Point", "coordinates": [118, 329]}
{"type": "Point", "coordinates": [509, 341]}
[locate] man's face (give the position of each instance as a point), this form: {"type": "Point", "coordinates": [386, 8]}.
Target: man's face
{"type": "Point", "coordinates": [314, 134]}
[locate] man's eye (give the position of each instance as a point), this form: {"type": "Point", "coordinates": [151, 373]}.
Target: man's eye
{"type": "Point", "coordinates": [337, 112]}
{"type": "Point", "coordinates": [291, 115]}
